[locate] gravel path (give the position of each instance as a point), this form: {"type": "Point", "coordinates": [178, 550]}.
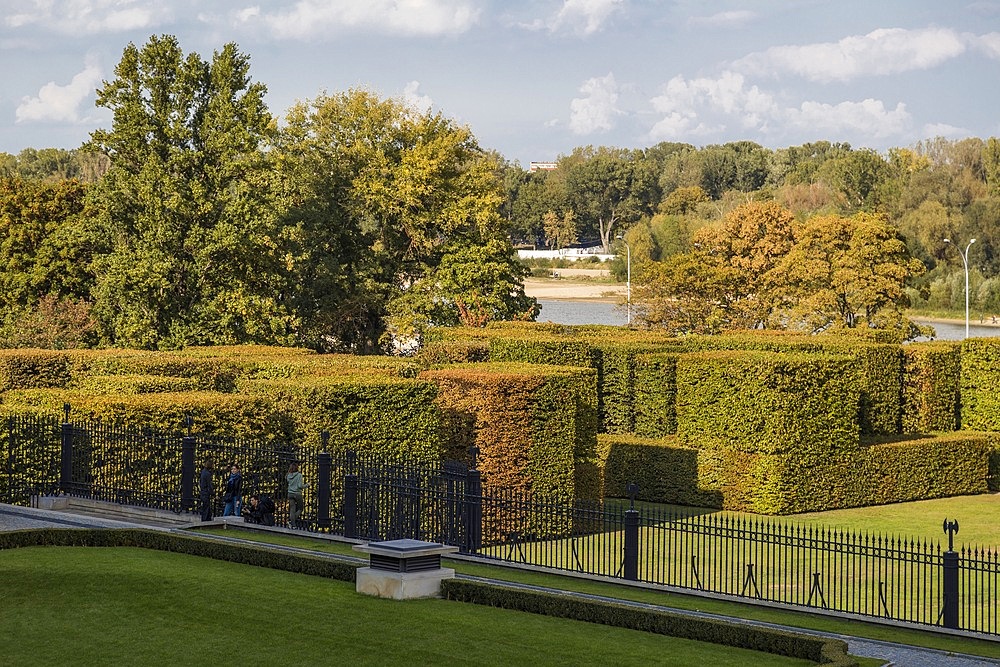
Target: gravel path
{"type": "Point", "coordinates": [895, 655]}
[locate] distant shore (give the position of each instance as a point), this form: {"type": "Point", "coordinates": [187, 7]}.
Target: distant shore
{"type": "Point", "coordinates": [573, 285]}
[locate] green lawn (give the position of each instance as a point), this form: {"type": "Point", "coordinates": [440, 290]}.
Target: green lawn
{"type": "Point", "coordinates": [133, 606]}
{"type": "Point", "coordinates": [672, 600]}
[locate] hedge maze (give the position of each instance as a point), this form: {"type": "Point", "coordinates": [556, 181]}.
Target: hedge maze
{"type": "Point", "coordinates": [767, 422]}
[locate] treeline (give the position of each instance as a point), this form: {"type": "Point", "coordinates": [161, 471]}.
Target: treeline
{"type": "Point", "coordinates": [659, 198]}
{"type": "Point", "coordinates": [196, 220]}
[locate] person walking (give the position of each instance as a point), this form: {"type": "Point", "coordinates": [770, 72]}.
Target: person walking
{"type": "Point", "coordinates": [295, 486]}
{"type": "Point", "coordinates": [234, 492]}
{"type": "Point", "coordinates": [205, 490]}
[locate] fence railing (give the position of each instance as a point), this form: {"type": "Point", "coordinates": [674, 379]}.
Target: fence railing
{"type": "Point", "coordinates": [372, 498]}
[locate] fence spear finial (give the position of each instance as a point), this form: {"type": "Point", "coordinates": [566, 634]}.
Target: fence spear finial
{"type": "Point", "coordinates": [951, 527]}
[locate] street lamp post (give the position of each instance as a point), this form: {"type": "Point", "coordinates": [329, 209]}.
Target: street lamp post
{"type": "Point", "coordinates": [965, 263]}
{"type": "Point", "coordinates": [628, 282]}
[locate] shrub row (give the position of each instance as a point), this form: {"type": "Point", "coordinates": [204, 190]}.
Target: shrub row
{"type": "Point", "coordinates": [33, 369]}
{"type": "Point", "coordinates": [876, 473]}
{"type": "Point", "coordinates": [148, 539]}
{"type": "Point", "coordinates": [741, 635]}
{"type": "Point", "coordinates": [981, 384]}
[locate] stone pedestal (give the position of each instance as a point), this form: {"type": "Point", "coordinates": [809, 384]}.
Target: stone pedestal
{"type": "Point", "coordinates": [53, 502]}
{"type": "Point", "coordinates": [403, 569]}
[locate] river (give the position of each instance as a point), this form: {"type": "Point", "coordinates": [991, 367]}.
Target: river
{"type": "Point", "coordinates": [604, 312]}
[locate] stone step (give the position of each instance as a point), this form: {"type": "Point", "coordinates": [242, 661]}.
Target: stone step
{"type": "Point", "coordinates": [127, 513]}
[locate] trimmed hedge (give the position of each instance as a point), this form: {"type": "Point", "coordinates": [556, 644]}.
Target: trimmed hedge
{"type": "Point", "coordinates": [534, 425]}
{"type": "Point", "coordinates": [800, 405]}
{"type": "Point", "coordinates": [715, 631]}
{"type": "Point", "coordinates": [664, 471]}
{"type": "Point", "coordinates": [656, 395]}
{"type": "Point", "coordinates": [135, 384]}
{"type": "Point", "coordinates": [33, 369]}
{"type": "Point", "coordinates": [877, 473]}
{"type": "Point", "coordinates": [214, 414]}
{"type": "Point", "coordinates": [981, 384]}
{"type": "Point", "coordinates": [245, 554]}
{"type": "Point", "coordinates": [932, 387]}
{"type": "Point", "coordinates": [377, 414]}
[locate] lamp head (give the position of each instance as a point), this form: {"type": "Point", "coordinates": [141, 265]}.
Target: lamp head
{"type": "Point", "coordinates": [947, 240]}
{"type": "Point", "coordinates": [972, 241]}
{"type": "Point", "coordinates": [619, 237]}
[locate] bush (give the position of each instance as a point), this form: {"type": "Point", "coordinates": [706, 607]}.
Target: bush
{"type": "Point", "coordinates": [981, 384]}
{"type": "Point", "coordinates": [663, 470]}
{"type": "Point", "coordinates": [33, 369]}
{"type": "Point", "coordinates": [246, 554]}
{"type": "Point", "coordinates": [644, 619]}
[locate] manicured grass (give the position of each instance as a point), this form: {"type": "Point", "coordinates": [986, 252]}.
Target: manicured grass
{"type": "Point", "coordinates": [135, 606]}
{"type": "Point", "coordinates": [672, 600]}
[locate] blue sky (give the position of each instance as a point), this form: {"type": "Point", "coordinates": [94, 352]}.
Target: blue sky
{"type": "Point", "coordinates": [534, 79]}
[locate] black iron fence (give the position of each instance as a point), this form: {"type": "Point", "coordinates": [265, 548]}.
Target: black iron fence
{"type": "Point", "coordinates": [368, 497]}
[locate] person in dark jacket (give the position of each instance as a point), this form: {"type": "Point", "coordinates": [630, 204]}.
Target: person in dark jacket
{"type": "Point", "coordinates": [234, 493]}
{"type": "Point", "coordinates": [261, 510]}
{"type": "Point", "coordinates": [205, 490]}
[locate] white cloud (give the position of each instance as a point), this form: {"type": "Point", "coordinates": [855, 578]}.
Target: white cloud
{"type": "Point", "coordinates": [57, 103]}
{"type": "Point", "coordinates": [727, 96]}
{"type": "Point", "coordinates": [989, 44]}
{"type": "Point", "coordinates": [89, 16]}
{"type": "Point", "coordinates": [724, 19]}
{"type": "Point", "coordinates": [596, 111]}
{"type": "Point", "coordinates": [316, 18]}
{"type": "Point", "coordinates": [705, 105]}
{"type": "Point", "coordinates": [880, 52]}
{"type": "Point", "coordinates": [582, 17]}
{"type": "Point", "coordinates": [945, 130]}
{"type": "Point", "coordinates": [869, 118]}
{"type": "Point", "coordinates": [414, 99]}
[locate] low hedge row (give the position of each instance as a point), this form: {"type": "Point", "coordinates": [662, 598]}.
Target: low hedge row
{"type": "Point", "coordinates": [33, 369]}
{"type": "Point", "coordinates": [245, 554]}
{"type": "Point", "coordinates": [135, 384]}
{"type": "Point", "coordinates": [767, 640]}
{"type": "Point", "coordinates": [877, 473]}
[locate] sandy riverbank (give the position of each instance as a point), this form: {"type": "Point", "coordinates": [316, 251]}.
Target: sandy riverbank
{"type": "Point", "coordinates": [570, 290]}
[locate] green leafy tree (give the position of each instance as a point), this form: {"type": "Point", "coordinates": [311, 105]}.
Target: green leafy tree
{"type": "Point", "coordinates": [472, 286]}
{"type": "Point", "coordinates": [394, 191]}
{"type": "Point", "coordinates": [560, 232]}
{"type": "Point", "coordinates": [187, 204]}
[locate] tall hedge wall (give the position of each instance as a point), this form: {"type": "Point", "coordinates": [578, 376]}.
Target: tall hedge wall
{"type": "Point", "coordinates": [655, 395]}
{"type": "Point", "coordinates": [375, 414]}
{"type": "Point", "coordinates": [981, 384]}
{"type": "Point", "coordinates": [534, 425]}
{"type": "Point", "coordinates": [931, 387]}
{"type": "Point", "coordinates": [769, 403]}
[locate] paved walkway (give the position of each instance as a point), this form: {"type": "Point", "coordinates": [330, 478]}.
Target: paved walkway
{"type": "Point", "coordinates": [895, 655]}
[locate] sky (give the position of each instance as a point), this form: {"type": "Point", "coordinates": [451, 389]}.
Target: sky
{"type": "Point", "coordinates": [534, 79]}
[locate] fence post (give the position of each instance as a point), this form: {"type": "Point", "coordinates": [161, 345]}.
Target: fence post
{"type": "Point", "coordinates": [325, 464]}
{"type": "Point", "coordinates": [950, 577]}
{"type": "Point", "coordinates": [187, 473]}
{"type": "Point", "coordinates": [474, 505]}
{"type": "Point", "coordinates": [350, 505]}
{"type": "Point", "coordinates": [66, 452]}
{"type": "Point", "coordinates": [630, 566]}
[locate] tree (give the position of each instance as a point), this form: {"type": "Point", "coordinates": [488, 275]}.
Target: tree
{"type": "Point", "coordinates": [187, 204]}
{"type": "Point", "coordinates": [46, 243]}
{"type": "Point", "coordinates": [605, 189]}
{"type": "Point", "coordinates": [848, 272]}
{"type": "Point", "coordinates": [392, 192]}
{"type": "Point", "coordinates": [472, 286]}
{"type": "Point", "coordinates": [560, 232]}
